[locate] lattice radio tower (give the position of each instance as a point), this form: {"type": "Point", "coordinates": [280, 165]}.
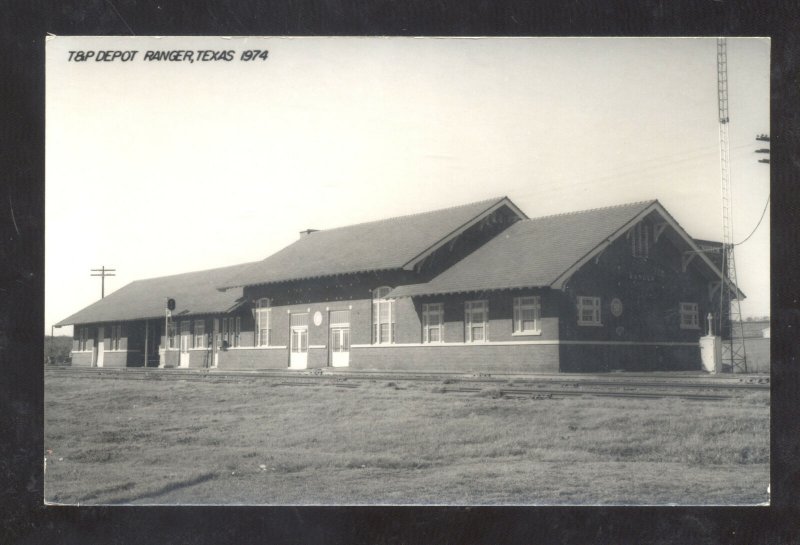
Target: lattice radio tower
{"type": "Point", "coordinates": [729, 309]}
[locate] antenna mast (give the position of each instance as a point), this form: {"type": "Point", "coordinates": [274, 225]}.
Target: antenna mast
{"type": "Point", "coordinates": [730, 314]}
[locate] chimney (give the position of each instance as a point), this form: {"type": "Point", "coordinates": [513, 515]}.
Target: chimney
{"type": "Point", "coordinates": [307, 232]}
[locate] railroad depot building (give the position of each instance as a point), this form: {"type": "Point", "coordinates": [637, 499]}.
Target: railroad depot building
{"type": "Point", "coordinates": [475, 288]}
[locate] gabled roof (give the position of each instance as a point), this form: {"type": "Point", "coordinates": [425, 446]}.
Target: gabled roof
{"type": "Point", "coordinates": [194, 293]}
{"type": "Point", "coordinates": [393, 243]}
{"type": "Point", "coordinates": [542, 252]}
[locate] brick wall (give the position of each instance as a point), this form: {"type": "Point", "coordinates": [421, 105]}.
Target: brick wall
{"type": "Point", "coordinates": [466, 358]}
{"type": "Point", "coordinates": [244, 359]}
{"type": "Point", "coordinates": [650, 291]}
{"type": "Point", "coordinates": [116, 359]}
{"type": "Point", "coordinates": [501, 316]}
{"type": "Point", "coordinates": [603, 358]}
{"type": "Point", "coordinates": [81, 359]}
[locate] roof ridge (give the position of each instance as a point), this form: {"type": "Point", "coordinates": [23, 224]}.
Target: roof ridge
{"type": "Point", "coordinates": [574, 212]}
{"type": "Point", "coordinates": [403, 216]}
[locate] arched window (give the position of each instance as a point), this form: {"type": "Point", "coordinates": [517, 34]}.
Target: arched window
{"type": "Point", "coordinates": [382, 316]}
{"type": "Point", "coordinates": [262, 315]}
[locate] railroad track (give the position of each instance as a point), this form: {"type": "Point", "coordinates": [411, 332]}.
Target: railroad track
{"type": "Point", "coordinates": [530, 386]}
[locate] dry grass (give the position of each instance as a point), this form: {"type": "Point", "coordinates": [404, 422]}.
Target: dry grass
{"type": "Point", "coordinates": [394, 443]}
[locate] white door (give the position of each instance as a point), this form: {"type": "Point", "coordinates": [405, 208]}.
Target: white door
{"type": "Point", "coordinates": [100, 346]}
{"type": "Point", "coordinates": [217, 342]}
{"type": "Point", "coordinates": [186, 339]}
{"type": "Point", "coordinates": [298, 355]}
{"type": "Point", "coordinates": [340, 337]}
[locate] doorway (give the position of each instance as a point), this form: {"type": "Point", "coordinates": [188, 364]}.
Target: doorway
{"type": "Point", "coordinates": [186, 339]}
{"type": "Point", "coordinates": [298, 355]}
{"type": "Point", "coordinates": [340, 337]}
{"type": "Point", "coordinates": [99, 346]}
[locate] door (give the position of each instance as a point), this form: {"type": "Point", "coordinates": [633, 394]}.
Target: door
{"type": "Point", "coordinates": [298, 355]}
{"type": "Point", "coordinates": [186, 339]}
{"type": "Point", "coordinates": [217, 341]}
{"type": "Point", "coordinates": [99, 346]}
{"type": "Point", "coordinates": [340, 338]}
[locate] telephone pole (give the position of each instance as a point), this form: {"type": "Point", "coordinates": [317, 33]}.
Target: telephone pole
{"type": "Point", "coordinates": [102, 272]}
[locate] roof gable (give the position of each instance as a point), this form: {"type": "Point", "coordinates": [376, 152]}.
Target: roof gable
{"type": "Point", "coordinates": [393, 243]}
{"type": "Point", "coordinates": [533, 252]}
{"type": "Point", "coordinates": [547, 251]}
{"type": "Point", "coordinates": [194, 293]}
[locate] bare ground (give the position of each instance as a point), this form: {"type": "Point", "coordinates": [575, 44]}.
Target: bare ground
{"type": "Point", "coordinates": [178, 442]}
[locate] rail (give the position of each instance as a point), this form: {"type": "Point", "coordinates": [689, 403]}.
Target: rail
{"type": "Point", "coordinates": [623, 385]}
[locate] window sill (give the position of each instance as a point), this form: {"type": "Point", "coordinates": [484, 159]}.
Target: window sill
{"type": "Point", "coordinates": [526, 333]}
{"type": "Point", "coordinates": [590, 324]}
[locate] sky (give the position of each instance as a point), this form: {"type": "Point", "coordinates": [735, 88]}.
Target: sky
{"type": "Point", "coordinates": [159, 167]}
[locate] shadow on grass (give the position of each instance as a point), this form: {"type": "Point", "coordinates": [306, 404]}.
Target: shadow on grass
{"type": "Point", "coordinates": [164, 489]}
{"type": "Point", "coordinates": [107, 490]}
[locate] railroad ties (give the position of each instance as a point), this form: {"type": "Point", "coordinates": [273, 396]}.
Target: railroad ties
{"type": "Point", "coordinates": [621, 385]}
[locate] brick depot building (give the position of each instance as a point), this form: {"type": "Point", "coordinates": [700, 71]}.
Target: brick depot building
{"type": "Point", "coordinates": [477, 287]}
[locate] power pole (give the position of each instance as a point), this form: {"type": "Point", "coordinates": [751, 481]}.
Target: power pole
{"type": "Point", "coordinates": [730, 313]}
{"type": "Point", "coordinates": [102, 272]}
{"type": "Point", "coordinates": [763, 138]}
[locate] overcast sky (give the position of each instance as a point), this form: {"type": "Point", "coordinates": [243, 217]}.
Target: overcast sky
{"type": "Point", "coordinates": [157, 168]}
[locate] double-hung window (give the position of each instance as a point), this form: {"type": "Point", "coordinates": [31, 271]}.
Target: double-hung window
{"type": "Point", "coordinates": [589, 311]}
{"type": "Point", "coordinates": [476, 318]}
{"type": "Point", "coordinates": [432, 318]}
{"type": "Point", "coordinates": [641, 240]}
{"type": "Point", "coordinates": [527, 315]}
{"type": "Point", "coordinates": [382, 316]}
{"type": "Point", "coordinates": [82, 336]}
{"type": "Point", "coordinates": [199, 333]}
{"type": "Point", "coordinates": [690, 316]}
{"type": "Point", "coordinates": [263, 315]}
{"type": "Point", "coordinates": [116, 333]}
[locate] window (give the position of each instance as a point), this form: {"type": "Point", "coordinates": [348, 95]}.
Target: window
{"type": "Point", "coordinates": [172, 341]}
{"type": "Point", "coordinates": [641, 240]}
{"type": "Point", "coordinates": [432, 315]}
{"type": "Point", "coordinates": [263, 314]}
{"type": "Point", "coordinates": [476, 316]}
{"type": "Point", "coordinates": [224, 331]}
{"type": "Point", "coordinates": [527, 314]}
{"type": "Point", "coordinates": [237, 331]}
{"type": "Point", "coordinates": [82, 336]}
{"type": "Point", "coordinates": [199, 333]}
{"type": "Point", "coordinates": [116, 333]}
{"type": "Point", "coordinates": [589, 311]}
{"type": "Point", "coordinates": [382, 316]}
{"type": "Point", "coordinates": [339, 318]}
{"type": "Point", "coordinates": [689, 316]}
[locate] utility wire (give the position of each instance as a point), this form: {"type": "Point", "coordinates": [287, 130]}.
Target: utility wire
{"type": "Point", "coordinates": [759, 223]}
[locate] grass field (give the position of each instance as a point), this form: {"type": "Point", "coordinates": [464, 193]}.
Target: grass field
{"type": "Point", "coordinates": [171, 442]}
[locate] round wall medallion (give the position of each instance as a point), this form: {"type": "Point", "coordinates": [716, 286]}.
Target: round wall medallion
{"type": "Point", "coordinates": [620, 330]}
{"type": "Point", "coordinates": [317, 318]}
{"type": "Point", "coordinates": [616, 307]}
